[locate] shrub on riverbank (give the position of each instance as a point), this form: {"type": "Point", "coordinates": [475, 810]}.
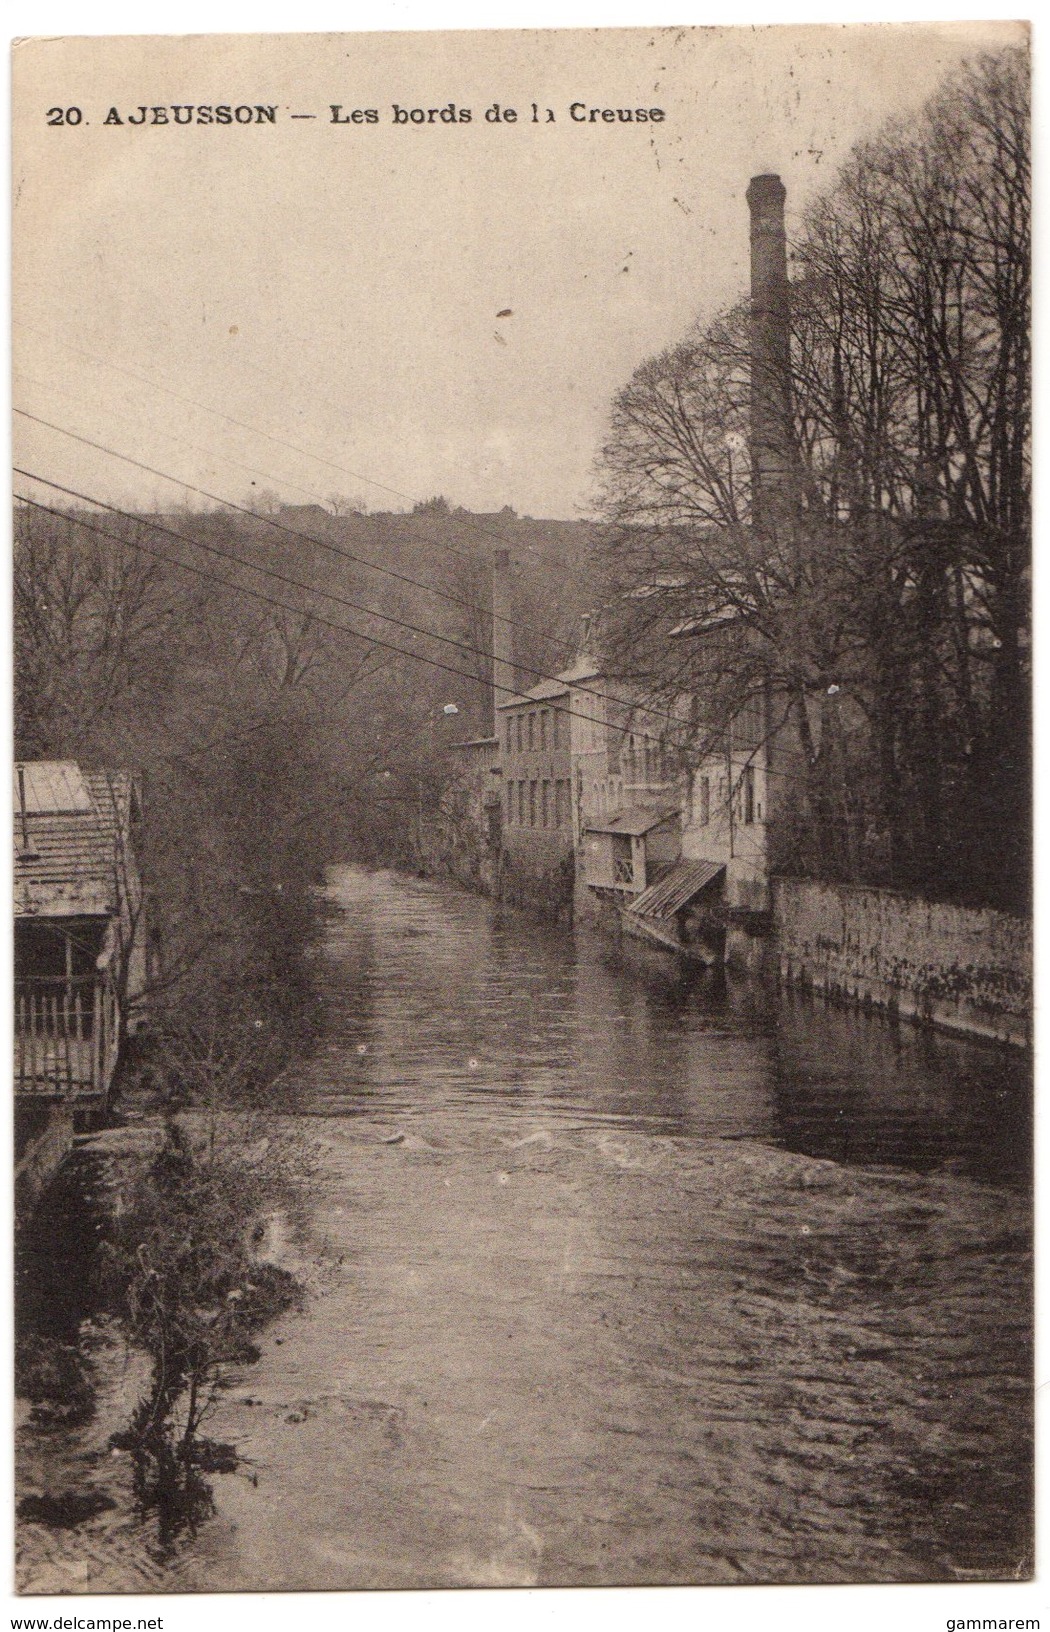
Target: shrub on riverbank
{"type": "Point", "coordinates": [190, 1290]}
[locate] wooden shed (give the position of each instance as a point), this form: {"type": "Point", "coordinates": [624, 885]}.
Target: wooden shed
{"type": "Point", "coordinates": [78, 904]}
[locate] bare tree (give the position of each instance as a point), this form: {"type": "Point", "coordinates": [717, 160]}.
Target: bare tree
{"type": "Point", "coordinates": [895, 582]}
{"type": "Point", "coordinates": [347, 504]}
{"type": "Point", "coordinates": [98, 624]}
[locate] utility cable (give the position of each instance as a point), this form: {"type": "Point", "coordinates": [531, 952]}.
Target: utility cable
{"type": "Point", "coordinates": [269, 521]}
{"type": "Point", "coordinates": [255, 594]}
{"type": "Point", "coordinates": [311, 589]}
{"type": "Point", "coordinates": [368, 611]}
{"type": "Point", "coordinates": [258, 595]}
{"type": "Point", "coordinates": [468, 520]}
{"type": "Point", "coordinates": [307, 492]}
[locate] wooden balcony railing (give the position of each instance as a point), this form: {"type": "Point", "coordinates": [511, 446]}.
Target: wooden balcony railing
{"type": "Point", "coordinates": [623, 872]}
{"type": "Point", "coordinates": [66, 1035]}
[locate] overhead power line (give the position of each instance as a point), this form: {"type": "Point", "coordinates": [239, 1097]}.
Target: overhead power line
{"type": "Point", "coordinates": [169, 436]}
{"type": "Point", "coordinates": [258, 595]}
{"type": "Point", "coordinates": [356, 606]}
{"type": "Point", "coordinates": [311, 589]}
{"type": "Point", "coordinates": [326, 623]}
{"type": "Point", "coordinates": [468, 520]}
{"type": "Point", "coordinates": [279, 526]}
{"type": "Point", "coordinates": [307, 492]}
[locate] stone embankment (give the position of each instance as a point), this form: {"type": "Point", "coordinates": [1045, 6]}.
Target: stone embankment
{"type": "Point", "coordinates": [962, 970]}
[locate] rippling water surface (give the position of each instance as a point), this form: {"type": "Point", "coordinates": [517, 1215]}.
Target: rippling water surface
{"type": "Point", "coordinates": [638, 1277]}
{"type": "Point", "coordinates": [622, 1275]}
{"type": "Point", "coordinates": [438, 1000]}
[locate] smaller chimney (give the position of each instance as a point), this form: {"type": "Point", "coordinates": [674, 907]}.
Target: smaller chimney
{"type": "Point", "coordinates": [502, 635]}
{"type": "Point", "coordinates": [770, 351]}
{"type": "Point", "coordinates": [22, 806]}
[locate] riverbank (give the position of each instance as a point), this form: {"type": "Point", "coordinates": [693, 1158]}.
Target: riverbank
{"type": "Point", "coordinates": [157, 1254]}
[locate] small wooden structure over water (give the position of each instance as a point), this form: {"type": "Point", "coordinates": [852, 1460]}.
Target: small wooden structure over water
{"type": "Point", "coordinates": [78, 951]}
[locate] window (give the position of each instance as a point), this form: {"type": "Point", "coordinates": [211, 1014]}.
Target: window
{"type": "Point", "coordinates": [543, 731]}
{"type": "Point", "coordinates": [705, 800]}
{"type": "Point", "coordinates": [749, 795]}
{"type": "Point", "coordinates": [545, 804]}
{"type": "Point", "coordinates": [532, 730]}
{"type": "Point", "coordinates": [532, 804]}
{"type": "Point", "coordinates": [510, 729]}
{"type": "Point", "coordinates": [518, 723]}
{"type": "Point", "coordinates": [556, 728]}
{"type": "Point", "coordinates": [521, 804]}
{"type": "Point", "coordinates": [748, 724]}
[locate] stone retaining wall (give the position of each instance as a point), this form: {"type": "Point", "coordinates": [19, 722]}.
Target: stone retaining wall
{"type": "Point", "coordinates": [968, 971]}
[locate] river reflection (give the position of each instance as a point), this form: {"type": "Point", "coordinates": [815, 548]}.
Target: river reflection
{"type": "Point", "coordinates": [436, 998]}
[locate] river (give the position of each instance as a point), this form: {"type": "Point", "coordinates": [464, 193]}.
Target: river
{"type": "Point", "coordinates": [625, 1275]}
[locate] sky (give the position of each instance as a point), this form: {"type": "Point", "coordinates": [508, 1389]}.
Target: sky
{"type": "Point", "coordinates": [312, 308]}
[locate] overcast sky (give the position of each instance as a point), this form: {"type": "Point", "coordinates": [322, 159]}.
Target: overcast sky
{"type": "Point", "coordinates": [335, 288]}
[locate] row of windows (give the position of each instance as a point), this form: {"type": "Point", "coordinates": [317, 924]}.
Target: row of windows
{"type": "Point", "coordinates": [536, 730]}
{"type": "Point", "coordinates": [607, 796]}
{"type": "Point", "coordinates": [746, 808]}
{"type": "Point", "coordinates": [546, 803]}
{"type": "Point", "coordinates": [538, 803]}
{"type": "Point", "coordinates": [646, 760]}
{"type": "Point", "coordinates": [643, 758]}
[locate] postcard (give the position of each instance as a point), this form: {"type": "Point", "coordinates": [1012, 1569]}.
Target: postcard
{"type": "Point", "coordinates": [522, 809]}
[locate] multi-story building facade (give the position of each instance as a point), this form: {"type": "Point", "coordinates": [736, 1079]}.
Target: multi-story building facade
{"type": "Point", "coordinates": [533, 735]}
{"type": "Point", "coordinates": [626, 790]}
{"type": "Point", "coordinates": [731, 803]}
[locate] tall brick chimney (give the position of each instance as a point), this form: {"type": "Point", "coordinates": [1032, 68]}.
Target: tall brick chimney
{"type": "Point", "coordinates": [502, 634]}
{"type": "Point", "coordinates": [770, 352]}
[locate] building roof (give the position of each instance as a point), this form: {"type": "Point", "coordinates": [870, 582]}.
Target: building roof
{"type": "Point", "coordinates": [67, 839]}
{"type": "Point", "coordinates": [50, 787]}
{"type": "Point", "coordinates": [708, 623]}
{"type": "Point", "coordinates": [677, 888]}
{"type": "Point", "coordinates": [537, 694]}
{"type": "Point", "coordinates": [634, 821]}
{"type": "Point", "coordinates": [583, 668]}
{"type": "Point", "coordinates": [116, 796]}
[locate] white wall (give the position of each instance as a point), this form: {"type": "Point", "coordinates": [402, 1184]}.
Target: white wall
{"type": "Point", "coordinates": [740, 845]}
